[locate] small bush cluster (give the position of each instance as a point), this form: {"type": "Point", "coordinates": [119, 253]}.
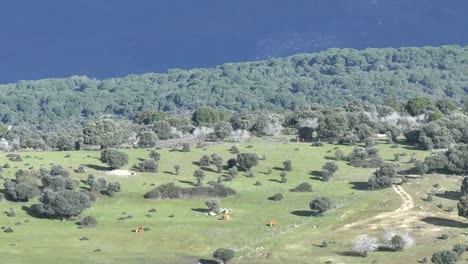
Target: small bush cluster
{"type": "Point", "coordinates": [303, 187]}
{"type": "Point", "coordinates": [171, 191]}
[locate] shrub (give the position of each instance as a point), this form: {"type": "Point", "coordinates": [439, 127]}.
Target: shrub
{"type": "Point", "coordinates": [224, 254]}
{"type": "Point", "coordinates": [444, 236]}
{"type": "Point", "coordinates": [444, 257]}
{"type": "Point", "coordinates": [365, 244]}
{"type": "Point", "coordinates": [81, 169]}
{"type": "Point", "coordinates": [287, 165]}
{"type": "Point", "coordinates": [317, 144]}
{"type": "Point", "coordinates": [153, 154]}
{"type": "Point", "coordinates": [283, 177]}
{"type": "Point", "coordinates": [199, 175]}
{"type": "Point", "coordinates": [222, 130]}
{"type": "Point", "coordinates": [148, 166]}
{"type": "Point", "coordinates": [186, 147]}
{"type": "Point", "coordinates": [324, 244]}
{"type": "Point", "coordinates": [303, 187]}
{"type": "Point", "coordinates": [320, 204]}
{"type": "Point", "coordinates": [213, 205]}
{"type": "Point", "coordinates": [88, 221]}
{"type": "Point", "coordinates": [217, 160]}
{"type": "Point", "coordinates": [250, 174]}
{"type": "Point", "coordinates": [398, 243]}
{"type": "Point", "coordinates": [234, 150]}
{"type": "Point", "coordinates": [459, 249]}
{"type": "Point", "coordinates": [247, 160]}
{"type": "Point", "coordinates": [269, 170]}
{"type": "Point", "coordinates": [205, 161]}
{"type": "Point", "coordinates": [8, 230]}
{"type": "Point", "coordinates": [177, 169]}
{"type": "Point", "coordinates": [257, 183]}
{"type": "Point", "coordinates": [114, 158]}
{"type": "Point", "coordinates": [231, 163]}
{"type": "Point", "coordinates": [276, 197]}
{"type": "Point", "coordinates": [339, 154]}
{"type": "Point", "coordinates": [232, 172]}
{"type": "Point", "coordinates": [147, 139]}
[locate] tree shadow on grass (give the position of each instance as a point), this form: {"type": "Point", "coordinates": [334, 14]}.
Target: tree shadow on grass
{"type": "Point", "coordinates": [278, 168]}
{"type": "Point", "coordinates": [207, 261]}
{"type": "Point", "coordinates": [274, 180]}
{"type": "Point", "coordinates": [361, 186]}
{"type": "Point", "coordinates": [305, 213]}
{"type": "Point", "coordinates": [330, 158]}
{"type": "Point", "coordinates": [451, 195]}
{"type": "Point", "coordinates": [385, 249]}
{"type": "Point", "coordinates": [349, 254]}
{"type": "Point", "coordinates": [316, 173]}
{"type": "Point", "coordinates": [437, 221]}
{"type": "Point", "coordinates": [31, 211]}
{"type": "Point", "coordinates": [196, 163]}
{"type": "Point", "coordinates": [169, 172]}
{"type": "Point", "coordinates": [200, 210]}
{"type": "Point", "coordinates": [188, 182]}
{"type": "Point", "coordinates": [97, 167]}
{"type": "Point", "coordinates": [208, 169]}
{"type": "Point", "coordinates": [140, 159]}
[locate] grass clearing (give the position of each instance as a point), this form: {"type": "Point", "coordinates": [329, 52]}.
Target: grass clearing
{"type": "Point", "coordinates": [180, 233]}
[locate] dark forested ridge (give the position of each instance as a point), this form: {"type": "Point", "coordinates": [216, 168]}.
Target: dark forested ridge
{"type": "Point", "coordinates": [331, 77]}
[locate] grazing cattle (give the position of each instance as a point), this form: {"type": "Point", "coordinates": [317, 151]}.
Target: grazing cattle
{"type": "Point", "coordinates": [139, 229]}
{"type": "Point", "coordinates": [225, 217]}
{"type": "Point", "coordinates": [272, 223]}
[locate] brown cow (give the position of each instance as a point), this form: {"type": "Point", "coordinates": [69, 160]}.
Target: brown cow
{"type": "Point", "coordinates": [272, 223]}
{"type": "Point", "coordinates": [225, 217]}
{"type": "Point", "coordinates": [139, 229]}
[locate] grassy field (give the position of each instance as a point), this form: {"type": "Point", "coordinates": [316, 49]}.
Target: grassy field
{"type": "Point", "coordinates": [190, 235]}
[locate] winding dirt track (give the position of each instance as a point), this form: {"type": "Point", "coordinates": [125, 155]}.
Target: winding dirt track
{"type": "Point", "coordinates": [401, 217]}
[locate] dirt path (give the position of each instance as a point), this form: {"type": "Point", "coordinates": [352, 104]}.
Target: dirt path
{"type": "Point", "coordinates": [400, 217]}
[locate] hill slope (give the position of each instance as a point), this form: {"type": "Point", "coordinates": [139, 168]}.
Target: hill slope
{"type": "Point", "coordinates": [329, 77]}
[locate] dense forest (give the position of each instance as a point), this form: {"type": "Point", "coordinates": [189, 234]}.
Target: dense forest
{"type": "Point", "coordinates": [332, 77]}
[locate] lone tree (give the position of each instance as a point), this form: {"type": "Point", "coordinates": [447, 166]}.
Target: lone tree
{"type": "Point", "coordinates": [328, 169]}
{"type": "Point", "coordinates": [105, 133]}
{"type": "Point", "coordinates": [398, 243]}
{"type": "Point", "coordinates": [213, 205]}
{"type": "Point", "coordinates": [320, 204]}
{"type": "Point", "coordinates": [154, 155]}
{"type": "Point", "coordinates": [247, 160]}
{"type": "Point", "coordinates": [205, 161]}
{"type": "Point", "coordinates": [176, 169]}
{"type": "Point", "coordinates": [365, 244]}
{"type": "Point", "coordinates": [444, 257]}
{"type": "Point", "coordinates": [147, 139]}
{"type": "Point", "coordinates": [199, 175]}
{"type": "Point", "coordinates": [287, 165]}
{"type": "Point", "coordinates": [382, 178]}
{"type": "Point", "coordinates": [224, 254]}
{"type": "Point", "coordinates": [217, 160]}
{"type": "Point", "coordinates": [114, 158]}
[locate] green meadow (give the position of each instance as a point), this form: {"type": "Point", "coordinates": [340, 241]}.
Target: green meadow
{"type": "Point", "coordinates": [181, 233]}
